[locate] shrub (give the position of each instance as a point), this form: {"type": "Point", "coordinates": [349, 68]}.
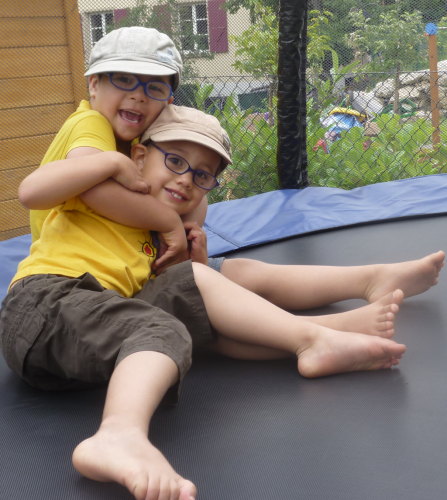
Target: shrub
{"type": "Point", "coordinates": [398, 152]}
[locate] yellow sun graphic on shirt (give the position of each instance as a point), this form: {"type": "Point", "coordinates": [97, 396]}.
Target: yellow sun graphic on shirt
{"type": "Point", "coordinates": [147, 247]}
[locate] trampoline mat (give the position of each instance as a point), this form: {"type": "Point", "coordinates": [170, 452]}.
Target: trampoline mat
{"type": "Point", "coordinates": [258, 430]}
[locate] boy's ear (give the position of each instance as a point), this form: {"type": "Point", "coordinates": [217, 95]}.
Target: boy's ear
{"type": "Point", "coordinates": [93, 81]}
{"type": "Point", "coordinates": [138, 154]}
{"type": "Point", "coordinates": [170, 99]}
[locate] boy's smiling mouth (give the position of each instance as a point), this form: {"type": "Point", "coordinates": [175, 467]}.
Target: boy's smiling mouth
{"type": "Point", "coordinates": [130, 116]}
{"type": "Point", "coordinates": [176, 195]}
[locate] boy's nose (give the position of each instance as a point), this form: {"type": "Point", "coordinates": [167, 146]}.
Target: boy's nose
{"type": "Point", "coordinates": [138, 94]}
{"type": "Point", "coordinates": [185, 179]}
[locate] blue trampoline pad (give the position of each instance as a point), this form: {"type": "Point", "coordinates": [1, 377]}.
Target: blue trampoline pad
{"type": "Point", "coordinates": [236, 224]}
{"type": "Point", "coordinates": [11, 253]}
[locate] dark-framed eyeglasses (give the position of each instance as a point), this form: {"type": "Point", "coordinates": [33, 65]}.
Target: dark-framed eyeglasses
{"type": "Point", "coordinates": [180, 166]}
{"type": "Point", "coordinates": [159, 91]}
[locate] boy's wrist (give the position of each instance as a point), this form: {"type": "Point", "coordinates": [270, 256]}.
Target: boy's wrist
{"type": "Point", "coordinates": [115, 163]}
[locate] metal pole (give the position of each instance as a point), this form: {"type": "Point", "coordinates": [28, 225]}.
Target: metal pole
{"type": "Point", "coordinates": [292, 155]}
{"type": "Point", "coordinates": [431, 32]}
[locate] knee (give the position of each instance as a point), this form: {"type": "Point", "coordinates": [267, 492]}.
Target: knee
{"type": "Point", "coordinates": [248, 273]}
{"type": "Point", "coordinates": [232, 267]}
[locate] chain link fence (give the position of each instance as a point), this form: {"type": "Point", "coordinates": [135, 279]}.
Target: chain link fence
{"type": "Point", "coordinates": [376, 84]}
{"type": "Point", "coordinates": [377, 93]}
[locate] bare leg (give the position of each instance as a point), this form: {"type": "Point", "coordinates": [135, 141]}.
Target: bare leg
{"type": "Point", "coordinates": [244, 317]}
{"type": "Point", "coordinates": [306, 287]}
{"type": "Point", "coordinates": [120, 451]}
{"type": "Point", "coordinates": [374, 319]}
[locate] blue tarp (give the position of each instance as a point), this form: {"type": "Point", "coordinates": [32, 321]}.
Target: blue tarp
{"type": "Point", "coordinates": [11, 253]}
{"type": "Point", "coordinates": [235, 224]}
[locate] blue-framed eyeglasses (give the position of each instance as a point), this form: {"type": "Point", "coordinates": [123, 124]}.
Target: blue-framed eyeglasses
{"type": "Point", "coordinates": [159, 91]}
{"type": "Point", "coordinates": [180, 166]}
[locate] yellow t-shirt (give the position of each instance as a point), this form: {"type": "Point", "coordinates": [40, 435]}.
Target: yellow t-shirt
{"type": "Point", "coordinates": [84, 128]}
{"type": "Point", "coordinates": [75, 240]}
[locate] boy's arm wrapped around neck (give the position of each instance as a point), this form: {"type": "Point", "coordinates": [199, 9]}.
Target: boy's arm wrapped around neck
{"type": "Point", "coordinates": [56, 182]}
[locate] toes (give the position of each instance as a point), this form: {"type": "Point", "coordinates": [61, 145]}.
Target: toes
{"type": "Point", "coordinates": [168, 488]}
{"type": "Point", "coordinates": [187, 490]}
{"type": "Point", "coordinates": [392, 301]}
{"type": "Point", "coordinates": [153, 489]}
{"type": "Point", "coordinates": [390, 309]}
{"type": "Point", "coordinates": [386, 319]}
{"type": "Point", "coordinates": [165, 489]}
{"type": "Point", "coordinates": [387, 333]}
{"type": "Point", "coordinates": [174, 490]}
{"type": "Point", "coordinates": [398, 296]}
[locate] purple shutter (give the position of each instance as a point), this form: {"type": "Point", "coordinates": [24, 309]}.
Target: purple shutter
{"type": "Point", "coordinates": [162, 18]}
{"type": "Point", "coordinates": [119, 15]}
{"type": "Point", "coordinates": [218, 26]}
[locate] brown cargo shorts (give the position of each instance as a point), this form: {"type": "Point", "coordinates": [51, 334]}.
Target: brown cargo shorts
{"type": "Point", "coordinates": [61, 333]}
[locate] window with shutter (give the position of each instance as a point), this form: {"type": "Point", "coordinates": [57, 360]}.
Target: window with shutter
{"type": "Point", "coordinates": [194, 27]}
{"type": "Point", "coordinates": [100, 24]}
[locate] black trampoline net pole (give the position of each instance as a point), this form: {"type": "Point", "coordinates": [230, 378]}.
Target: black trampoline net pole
{"type": "Point", "coordinates": [292, 155]}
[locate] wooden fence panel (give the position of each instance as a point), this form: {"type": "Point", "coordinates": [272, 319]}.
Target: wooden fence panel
{"type": "Point", "coordinates": [31, 8]}
{"type": "Point", "coordinates": [26, 122]}
{"type": "Point", "coordinates": [30, 32]}
{"type": "Point", "coordinates": [24, 151]}
{"type": "Point", "coordinates": [20, 62]}
{"type": "Point", "coordinates": [10, 180]}
{"type": "Point", "coordinates": [41, 84]}
{"type": "Point", "coordinates": [45, 90]}
{"type": "Point", "coordinates": [13, 217]}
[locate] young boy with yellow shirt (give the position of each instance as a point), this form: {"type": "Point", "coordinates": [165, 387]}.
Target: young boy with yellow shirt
{"type": "Point", "coordinates": [132, 76]}
{"type": "Point", "coordinates": [81, 310]}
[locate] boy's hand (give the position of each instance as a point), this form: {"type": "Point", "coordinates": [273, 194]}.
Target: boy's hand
{"type": "Point", "coordinates": [173, 249]}
{"type": "Point", "coordinates": [198, 251]}
{"type": "Point", "coordinates": [129, 174]}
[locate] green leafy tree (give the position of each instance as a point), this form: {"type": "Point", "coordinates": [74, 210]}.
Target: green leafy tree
{"type": "Point", "coordinates": [339, 26]}
{"type": "Point", "coordinates": [233, 6]}
{"type": "Point", "coordinates": [319, 42]}
{"type": "Point", "coordinates": [391, 43]}
{"type": "Point", "coordinates": [432, 10]}
{"type": "Point", "coordinates": [319, 45]}
{"type": "Point", "coordinates": [257, 50]}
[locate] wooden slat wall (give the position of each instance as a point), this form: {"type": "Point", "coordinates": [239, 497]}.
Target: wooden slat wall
{"type": "Point", "coordinates": [41, 83]}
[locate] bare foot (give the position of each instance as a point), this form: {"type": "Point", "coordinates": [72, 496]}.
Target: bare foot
{"type": "Point", "coordinates": [412, 277]}
{"type": "Point", "coordinates": [127, 457]}
{"type": "Point", "coordinates": [337, 352]}
{"type": "Point", "coordinates": [375, 319]}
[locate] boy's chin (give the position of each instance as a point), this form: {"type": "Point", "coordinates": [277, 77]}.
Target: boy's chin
{"type": "Point", "coordinates": [184, 210]}
{"type": "Point", "coordinates": [127, 135]}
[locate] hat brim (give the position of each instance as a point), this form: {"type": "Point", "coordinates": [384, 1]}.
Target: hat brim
{"type": "Point", "coordinates": [187, 135]}
{"type": "Point", "coordinates": [134, 67]}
